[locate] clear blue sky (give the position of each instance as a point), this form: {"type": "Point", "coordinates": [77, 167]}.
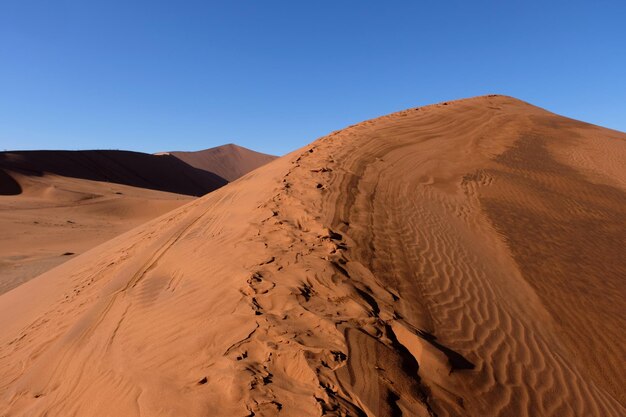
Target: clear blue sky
{"type": "Point", "coordinates": [275, 75]}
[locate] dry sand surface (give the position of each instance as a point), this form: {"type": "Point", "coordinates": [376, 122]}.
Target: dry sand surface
{"type": "Point", "coordinates": [55, 218]}
{"type": "Point", "coordinates": [228, 161]}
{"type": "Point", "coordinates": [57, 204]}
{"type": "Point", "coordinates": [461, 259]}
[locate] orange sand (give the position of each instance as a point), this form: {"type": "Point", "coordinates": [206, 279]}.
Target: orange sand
{"type": "Point", "coordinates": [461, 259]}
{"type": "Point", "coordinates": [228, 161]}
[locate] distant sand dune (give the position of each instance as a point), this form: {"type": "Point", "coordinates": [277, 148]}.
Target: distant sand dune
{"type": "Point", "coordinates": [228, 161]}
{"type": "Point", "coordinates": [57, 204]}
{"type": "Point", "coordinates": [163, 173]}
{"type": "Point", "coordinates": [460, 259]}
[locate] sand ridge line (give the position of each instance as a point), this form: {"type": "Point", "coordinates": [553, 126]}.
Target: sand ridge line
{"type": "Point", "coordinates": [308, 237]}
{"type": "Point", "coordinates": [360, 275]}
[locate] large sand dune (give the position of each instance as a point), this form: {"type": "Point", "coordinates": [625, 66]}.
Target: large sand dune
{"type": "Point", "coordinates": [228, 161]}
{"type": "Point", "coordinates": [156, 172]}
{"type": "Point", "coordinates": [462, 259]}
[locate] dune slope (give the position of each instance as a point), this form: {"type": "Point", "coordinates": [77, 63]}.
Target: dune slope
{"type": "Point", "coordinates": [228, 161]}
{"type": "Point", "coordinates": [56, 204]}
{"type": "Point", "coordinates": [52, 219]}
{"type": "Point", "coordinates": [460, 259]}
{"type": "Point", "coordinates": [156, 172]}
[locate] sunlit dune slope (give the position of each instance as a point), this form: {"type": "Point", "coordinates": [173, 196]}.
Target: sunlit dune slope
{"type": "Point", "coordinates": [56, 204]}
{"type": "Point", "coordinates": [52, 219]}
{"type": "Point", "coordinates": [228, 161]}
{"type": "Point", "coordinates": [461, 259]}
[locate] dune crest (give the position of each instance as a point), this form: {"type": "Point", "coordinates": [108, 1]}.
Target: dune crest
{"type": "Point", "coordinates": [387, 269]}
{"type": "Point", "coordinates": [155, 172]}
{"type": "Point", "coordinates": [228, 161]}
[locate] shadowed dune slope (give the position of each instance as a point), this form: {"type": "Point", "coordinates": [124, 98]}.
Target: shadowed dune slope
{"type": "Point", "coordinates": [156, 172]}
{"type": "Point", "coordinates": [8, 185]}
{"type": "Point", "coordinates": [461, 259]}
{"type": "Point", "coordinates": [228, 161]}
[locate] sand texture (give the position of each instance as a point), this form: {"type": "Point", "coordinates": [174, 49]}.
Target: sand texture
{"type": "Point", "coordinates": [228, 161]}
{"type": "Point", "coordinates": [54, 219]}
{"type": "Point", "coordinates": [460, 259]}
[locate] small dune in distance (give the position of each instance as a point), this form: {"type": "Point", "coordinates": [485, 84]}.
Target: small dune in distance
{"type": "Point", "coordinates": [459, 259]}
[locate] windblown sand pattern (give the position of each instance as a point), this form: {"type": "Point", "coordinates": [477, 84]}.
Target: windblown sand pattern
{"type": "Point", "coordinates": [462, 259]}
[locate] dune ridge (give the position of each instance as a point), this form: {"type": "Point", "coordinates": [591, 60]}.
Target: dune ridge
{"type": "Point", "coordinates": [229, 161]}
{"type": "Point", "coordinates": [380, 271]}
{"type": "Point", "coordinates": [155, 172]}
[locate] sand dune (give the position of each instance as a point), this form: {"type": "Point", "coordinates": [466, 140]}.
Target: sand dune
{"type": "Point", "coordinates": [56, 204]}
{"type": "Point", "coordinates": [228, 161]}
{"type": "Point", "coordinates": [53, 219]}
{"type": "Point", "coordinates": [155, 172]}
{"type": "Point", "coordinates": [461, 259]}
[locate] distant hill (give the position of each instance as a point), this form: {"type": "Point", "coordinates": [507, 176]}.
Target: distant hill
{"type": "Point", "coordinates": [156, 172]}
{"type": "Point", "coordinates": [228, 161]}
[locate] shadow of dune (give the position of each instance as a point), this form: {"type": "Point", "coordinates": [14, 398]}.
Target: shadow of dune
{"type": "Point", "coordinates": [455, 359]}
{"type": "Point", "coordinates": [8, 186]}
{"type": "Point", "coordinates": [156, 172]}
